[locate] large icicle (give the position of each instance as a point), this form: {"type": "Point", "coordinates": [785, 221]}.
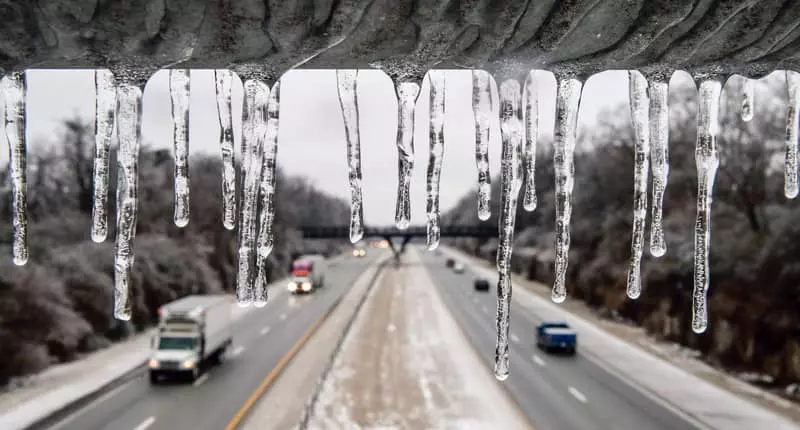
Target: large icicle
{"type": "Point", "coordinates": [254, 127]}
{"type": "Point", "coordinates": [407, 93]}
{"type": "Point", "coordinates": [105, 103]}
{"type": "Point", "coordinates": [179, 81]}
{"type": "Point", "coordinates": [707, 159]}
{"type": "Point", "coordinates": [748, 99]}
{"type": "Point", "coordinates": [434, 174]}
{"type": "Point", "coordinates": [224, 84]}
{"type": "Point", "coordinates": [531, 115]}
{"type": "Point", "coordinates": [640, 105]}
{"type": "Point", "coordinates": [568, 98]}
{"type": "Point", "coordinates": [790, 187]}
{"type": "Point", "coordinates": [347, 84]}
{"type": "Point", "coordinates": [511, 130]}
{"type": "Point", "coordinates": [129, 132]}
{"type": "Point", "coordinates": [14, 91]}
{"type": "Point", "coordinates": [659, 157]}
{"type": "Point", "coordinates": [266, 240]}
{"type": "Point", "coordinates": [482, 110]}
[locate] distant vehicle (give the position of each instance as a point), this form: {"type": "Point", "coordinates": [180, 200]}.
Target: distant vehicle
{"type": "Point", "coordinates": [359, 252]}
{"type": "Point", "coordinates": [552, 336]}
{"type": "Point", "coordinates": [459, 268]}
{"type": "Point", "coordinates": [305, 277]}
{"type": "Point", "coordinates": [481, 284]}
{"type": "Point", "coordinates": [450, 263]}
{"type": "Point", "coordinates": [191, 332]}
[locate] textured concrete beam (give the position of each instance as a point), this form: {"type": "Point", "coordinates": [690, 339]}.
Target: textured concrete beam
{"type": "Point", "coordinates": [265, 38]}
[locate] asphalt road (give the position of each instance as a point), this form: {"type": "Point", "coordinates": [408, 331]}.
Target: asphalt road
{"type": "Point", "coordinates": [261, 338]}
{"type": "Point", "coordinates": [554, 391]}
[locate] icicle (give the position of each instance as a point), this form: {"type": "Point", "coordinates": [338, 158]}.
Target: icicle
{"type": "Point", "coordinates": [659, 157]}
{"type": "Point", "coordinates": [568, 99]}
{"type": "Point", "coordinates": [266, 240]}
{"type": "Point", "coordinates": [482, 110]}
{"type": "Point", "coordinates": [254, 128]}
{"type": "Point", "coordinates": [105, 101]}
{"type": "Point", "coordinates": [14, 92]}
{"type": "Point", "coordinates": [407, 93]}
{"type": "Point", "coordinates": [790, 187]}
{"type": "Point", "coordinates": [511, 130]}
{"type": "Point", "coordinates": [748, 99]}
{"type": "Point", "coordinates": [224, 83]}
{"type": "Point", "coordinates": [179, 81]}
{"type": "Point", "coordinates": [437, 92]}
{"type": "Point", "coordinates": [347, 83]}
{"type": "Point", "coordinates": [129, 122]}
{"type": "Point", "coordinates": [707, 159]}
{"type": "Point", "coordinates": [640, 104]}
{"type": "Point", "coordinates": [531, 100]}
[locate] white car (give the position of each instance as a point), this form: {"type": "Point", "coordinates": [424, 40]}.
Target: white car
{"type": "Point", "coordinates": [458, 268]}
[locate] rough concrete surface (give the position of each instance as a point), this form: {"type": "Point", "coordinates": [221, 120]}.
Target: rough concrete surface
{"type": "Point", "coordinates": [406, 365]}
{"type": "Point", "coordinates": [264, 38]}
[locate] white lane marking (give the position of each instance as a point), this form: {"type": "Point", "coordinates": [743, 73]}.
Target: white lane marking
{"type": "Point", "coordinates": [538, 360]}
{"type": "Point", "coordinates": [146, 423]}
{"type": "Point", "coordinates": [265, 330]}
{"type": "Point", "coordinates": [199, 381]}
{"type": "Point", "coordinates": [577, 394]}
{"type": "Point", "coordinates": [514, 338]}
{"type": "Point", "coordinates": [237, 351]}
{"type": "Point", "coordinates": [283, 317]}
{"type": "Point", "coordinates": [91, 405]}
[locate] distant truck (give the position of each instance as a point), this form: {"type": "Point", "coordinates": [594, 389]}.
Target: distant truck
{"type": "Point", "coordinates": [556, 336]}
{"type": "Point", "coordinates": [306, 276]}
{"type": "Point", "coordinates": [192, 331]}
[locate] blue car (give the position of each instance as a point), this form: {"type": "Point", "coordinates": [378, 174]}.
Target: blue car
{"type": "Point", "coordinates": [556, 336]}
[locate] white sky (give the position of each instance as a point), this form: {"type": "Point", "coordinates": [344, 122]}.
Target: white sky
{"type": "Point", "coordinates": [311, 135]}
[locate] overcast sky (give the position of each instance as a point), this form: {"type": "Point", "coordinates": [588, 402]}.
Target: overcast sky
{"type": "Point", "coordinates": [311, 135]}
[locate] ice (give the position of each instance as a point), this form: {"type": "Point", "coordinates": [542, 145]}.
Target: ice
{"type": "Point", "coordinates": [531, 100]}
{"type": "Point", "coordinates": [265, 234]}
{"type": "Point", "coordinates": [347, 83]}
{"type": "Point", "coordinates": [748, 99]}
{"type": "Point", "coordinates": [129, 132]}
{"type": "Point", "coordinates": [407, 93]}
{"type": "Point", "coordinates": [568, 98]}
{"type": "Point", "coordinates": [105, 101]}
{"type": "Point", "coordinates": [224, 81]}
{"type": "Point", "coordinates": [179, 81]}
{"type": "Point", "coordinates": [707, 159]}
{"type": "Point", "coordinates": [254, 127]}
{"type": "Point", "coordinates": [792, 123]}
{"type": "Point", "coordinates": [511, 131]}
{"type": "Point", "coordinates": [14, 91]}
{"type": "Point", "coordinates": [659, 157]}
{"type": "Point", "coordinates": [434, 174]}
{"type": "Point", "coordinates": [482, 110]}
{"type": "Point", "coordinates": [640, 105]}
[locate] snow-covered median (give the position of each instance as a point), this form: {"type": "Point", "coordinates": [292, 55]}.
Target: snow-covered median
{"type": "Point", "coordinates": [405, 364]}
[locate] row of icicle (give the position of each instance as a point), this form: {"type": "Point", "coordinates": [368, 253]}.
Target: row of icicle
{"type": "Point", "coordinates": [518, 114]}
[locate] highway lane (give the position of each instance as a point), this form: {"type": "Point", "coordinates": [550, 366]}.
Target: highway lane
{"type": "Point", "coordinates": [555, 391]}
{"type": "Point", "coordinates": [261, 338]}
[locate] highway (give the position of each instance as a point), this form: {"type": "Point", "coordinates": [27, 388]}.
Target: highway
{"type": "Point", "coordinates": [262, 338]}
{"type": "Point", "coordinates": [555, 392]}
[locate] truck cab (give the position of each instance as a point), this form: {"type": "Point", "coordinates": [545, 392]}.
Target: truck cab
{"type": "Point", "coordinates": [191, 331]}
{"type": "Point", "coordinates": [552, 336]}
{"type": "Point", "coordinates": [305, 277]}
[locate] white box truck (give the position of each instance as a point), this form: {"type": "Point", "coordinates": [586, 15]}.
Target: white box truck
{"type": "Point", "coordinates": [192, 331]}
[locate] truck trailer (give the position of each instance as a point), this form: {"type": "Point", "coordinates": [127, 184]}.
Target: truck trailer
{"type": "Point", "coordinates": [192, 331]}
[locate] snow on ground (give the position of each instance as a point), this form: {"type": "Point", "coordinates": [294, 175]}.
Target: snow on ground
{"type": "Point", "coordinates": [405, 364]}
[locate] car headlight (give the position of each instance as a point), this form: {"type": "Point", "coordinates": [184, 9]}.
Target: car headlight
{"type": "Point", "coordinates": [153, 364]}
{"type": "Point", "coordinates": [292, 286]}
{"type": "Point", "coordinates": [188, 364]}
{"type": "Point", "coordinates": [306, 286]}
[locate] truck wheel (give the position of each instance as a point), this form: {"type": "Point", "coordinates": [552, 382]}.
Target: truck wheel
{"type": "Point", "coordinates": [153, 378]}
{"type": "Point", "coordinates": [195, 373]}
